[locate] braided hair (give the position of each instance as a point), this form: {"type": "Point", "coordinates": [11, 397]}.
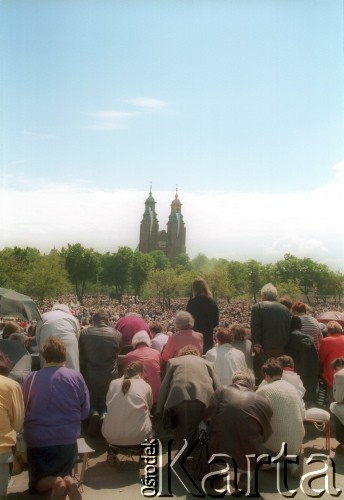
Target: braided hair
{"type": "Point", "coordinates": [133, 369]}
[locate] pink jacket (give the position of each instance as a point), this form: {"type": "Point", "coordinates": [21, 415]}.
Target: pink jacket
{"type": "Point", "coordinates": [151, 360]}
{"type": "Point", "coordinates": [181, 339]}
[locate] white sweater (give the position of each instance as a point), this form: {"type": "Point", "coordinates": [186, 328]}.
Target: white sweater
{"type": "Point", "coordinates": [127, 421]}
{"type": "Point", "coordinates": [287, 419]}
{"type": "Point", "coordinates": [294, 379]}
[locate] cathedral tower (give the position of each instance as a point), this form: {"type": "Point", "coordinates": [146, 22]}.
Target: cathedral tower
{"type": "Point", "coordinates": [149, 228]}
{"type": "Point", "coordinates": [175, 231]}
{"type": "Point", "coordinates": [172, 241]}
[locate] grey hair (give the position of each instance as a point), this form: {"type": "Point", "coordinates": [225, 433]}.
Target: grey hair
{"type": "Point", "coordinates": [184, 320]}
{"type": "Point", "coordinates": [141, 337]}
{"type": "Point", "coordinates": [269, 292]}
{"type": "Point", "coordinates": [244, 376]}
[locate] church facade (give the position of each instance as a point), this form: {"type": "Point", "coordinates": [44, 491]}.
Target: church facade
{"type": "Point", "coordinates": [170, 241]}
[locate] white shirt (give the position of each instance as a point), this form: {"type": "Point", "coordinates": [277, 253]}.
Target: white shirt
{"type": "Point", "coordinates": [226, 360]}
{"type": "Point", "coordinates": [66, 327]}
{"type": "Point", "coordinates": [127, 421]}
{"type": "Point", "coordinates": [159, 341]}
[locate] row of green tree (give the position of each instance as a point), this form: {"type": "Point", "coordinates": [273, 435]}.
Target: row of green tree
{"type": "Point", "coordinates": [83, 271]}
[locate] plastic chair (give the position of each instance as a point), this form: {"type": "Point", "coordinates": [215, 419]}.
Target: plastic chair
{"type": "Point", "coordinates": [121, 455]}
{"type": "Point", "coordinates": [321, 420]}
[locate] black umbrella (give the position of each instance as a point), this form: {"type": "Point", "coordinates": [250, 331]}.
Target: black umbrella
{"type": "Point", "coordinates": [15, 304]}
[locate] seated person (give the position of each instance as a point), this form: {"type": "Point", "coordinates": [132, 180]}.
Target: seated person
{"type": "Point", "coordinates": [183, 336]}
{"type": "Point", "coordinates": [129, 400]}
{"type": "Point", "coordinates": [188, 385]}
{"type": "Point", "coordinates": [128, 325]}
{"type": "Point", "coordinates": [288, 410]}
{"type": "Point", "coordinates": [245, 411]}
{"type": "Point", "coordinates": [150, 358]}
{"type": "Point", "coordinates": [289, 375]}
{"type": "Point", "coordinates": [56, 400]}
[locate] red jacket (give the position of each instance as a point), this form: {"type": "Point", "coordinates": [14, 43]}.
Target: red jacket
{"type": "Point", "coordinates": [331, 347]}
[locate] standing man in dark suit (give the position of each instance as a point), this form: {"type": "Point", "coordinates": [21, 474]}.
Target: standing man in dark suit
{"type": "Point", "coordinates": [270, 327]}
{"type": "Point", "coordinates": [99, 347]}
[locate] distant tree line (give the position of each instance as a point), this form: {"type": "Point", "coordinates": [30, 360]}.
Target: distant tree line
{"type": "Point", "coordinates": [84, 271]}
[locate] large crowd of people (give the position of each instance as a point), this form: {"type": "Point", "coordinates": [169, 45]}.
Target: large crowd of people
{"type": "Point", "coordinates": [249, 371]}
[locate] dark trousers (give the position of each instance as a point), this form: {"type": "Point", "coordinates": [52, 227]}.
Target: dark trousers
{"type": "Point", "coordinates": [188, 416]}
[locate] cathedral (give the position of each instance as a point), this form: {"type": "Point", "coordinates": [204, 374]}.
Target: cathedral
{"type": "Point", "coordinates": [170, 241]}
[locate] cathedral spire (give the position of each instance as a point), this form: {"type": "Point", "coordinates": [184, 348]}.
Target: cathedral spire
{"type": "Point", "coordinates": [149, 228]}
{"type": "Point", "coordinates": [170, 241]}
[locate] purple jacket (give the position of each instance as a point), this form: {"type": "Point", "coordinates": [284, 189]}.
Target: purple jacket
{"type": "Point", "coordinates": [58, 401]}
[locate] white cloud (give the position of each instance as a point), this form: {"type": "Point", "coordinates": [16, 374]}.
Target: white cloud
{"type": "Point", "coordinates": [108, 120]}
{"type": "Point", "coordinates": [235, 226]}
{"type": "Point", "coordinates": [296, 244]}
{"type": "Point", "coordinates": [40, 135]}
{"type": "Point", "coordinates": [147, 103]}
{"type": "Point", "coordinates": [111, 120]}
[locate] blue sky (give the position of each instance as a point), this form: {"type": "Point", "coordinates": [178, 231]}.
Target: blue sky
{"type": "Point", "coordinates": [231, 100]}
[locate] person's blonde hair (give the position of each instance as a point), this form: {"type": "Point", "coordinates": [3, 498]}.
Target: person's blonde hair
{"type": "Point", "coordinates": [334, 327]}
{"type": "Point", "coordinates": [200, 287]}
{"type": "Point", "coordinates": [245, 377]}
{"type": "Point", "coordinates": [188, 350]}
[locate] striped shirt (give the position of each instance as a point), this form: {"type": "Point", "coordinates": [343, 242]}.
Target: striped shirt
{"type": "Point", "coordinates": [311, 326]}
